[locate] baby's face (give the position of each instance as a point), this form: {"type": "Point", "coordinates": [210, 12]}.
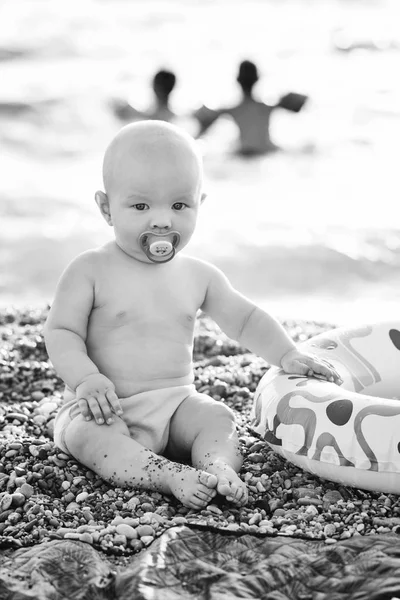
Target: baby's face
{"type": "Point", "coordinates": [155, 196]}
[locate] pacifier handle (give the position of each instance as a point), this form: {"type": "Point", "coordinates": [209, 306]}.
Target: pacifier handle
{"type": "Point", "coordinates": [160, 248]}
{"type": "Point", "coordinates": [160, 259]}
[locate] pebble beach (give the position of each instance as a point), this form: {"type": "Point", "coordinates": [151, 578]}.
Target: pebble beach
{"type": "Point", "coordinates": [45, 495]}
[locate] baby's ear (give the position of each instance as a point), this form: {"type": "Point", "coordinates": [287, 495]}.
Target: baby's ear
{"type": "Point", "coordinates": [103, 203]}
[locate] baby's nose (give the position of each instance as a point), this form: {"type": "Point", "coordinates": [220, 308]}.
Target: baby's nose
{"type": "Point", "coordinates": [161, 221]}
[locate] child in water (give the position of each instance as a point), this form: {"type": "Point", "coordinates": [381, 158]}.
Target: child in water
{"type": "Point", "coordinates": [251, 116]}
{"type": "Point", "coordinates": [120, 331]}
{"type": "Point", "coordinates": [163, 84]}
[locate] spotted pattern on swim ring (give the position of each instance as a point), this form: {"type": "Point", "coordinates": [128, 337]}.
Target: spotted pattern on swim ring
{"type": "Point", "coordinates": [348, 433]}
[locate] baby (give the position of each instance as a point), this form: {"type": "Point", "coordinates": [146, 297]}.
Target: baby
{"type": "Point", "coordinates": [120, 331]}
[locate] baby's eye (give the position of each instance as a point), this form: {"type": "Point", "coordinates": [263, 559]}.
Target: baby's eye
{"type": "Point", "coordinates": [179, 206]}
{"type": "Point", "coordinates": [140, 206]}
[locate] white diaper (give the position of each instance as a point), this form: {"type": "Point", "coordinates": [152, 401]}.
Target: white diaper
{"type": "Point", "coordinates": [147, 415]}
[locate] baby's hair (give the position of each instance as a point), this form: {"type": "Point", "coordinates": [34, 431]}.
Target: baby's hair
{"type": "Point", "coordinates": [247, 75]}
{"type": "Point", "coordinates": [164, 81]}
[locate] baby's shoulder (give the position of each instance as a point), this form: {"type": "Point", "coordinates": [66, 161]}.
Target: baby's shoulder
{"type": "Point", "coordinates": [201, 269]}
{"type": "Point", "coordinates": [196, 265]}
{"type": "Point", "coordinates": [89, 261]}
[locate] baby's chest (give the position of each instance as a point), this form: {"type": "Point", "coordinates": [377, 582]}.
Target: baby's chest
{"type": "Point", "coordinates": [148, 306]}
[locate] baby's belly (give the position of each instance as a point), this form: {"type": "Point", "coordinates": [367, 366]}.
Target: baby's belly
{"type": "Point", "coordinates": [144, 365]}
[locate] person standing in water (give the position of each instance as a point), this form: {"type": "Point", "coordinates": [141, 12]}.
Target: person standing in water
{"type": "Point", "coordinates": [251, 116]}
{"type": "Point", "coordinates": [163, 84]}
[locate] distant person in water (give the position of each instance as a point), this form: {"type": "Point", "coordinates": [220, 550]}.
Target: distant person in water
{"type": "Point", "coordinates": [251, 116]}
{"type": "Point", "coordinates": [163, 83]}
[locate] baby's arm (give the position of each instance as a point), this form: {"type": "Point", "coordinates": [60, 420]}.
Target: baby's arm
{"type": "Point", "coordinates": [256, 330]}
{"type": "Point", "coordinates": [65, 335]}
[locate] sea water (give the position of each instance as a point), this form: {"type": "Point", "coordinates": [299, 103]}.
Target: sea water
{"type": "Point", "coordinates": [312, 231]}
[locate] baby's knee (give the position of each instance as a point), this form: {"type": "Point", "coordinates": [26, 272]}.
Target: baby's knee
{"type": "Point", "coordinates": [220, 411]}
{"type": "Point", "coordinates": [81, 434]}
{"type": "Point", "coordinates": [76, 434]}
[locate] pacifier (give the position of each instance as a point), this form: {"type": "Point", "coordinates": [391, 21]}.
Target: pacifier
{"type": "Point", "coordinates": [159, 247]}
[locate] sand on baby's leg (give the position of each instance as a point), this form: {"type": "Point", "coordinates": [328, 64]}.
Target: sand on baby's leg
{"type": "Point", "coordinates": [109, 451]}
{"type": "Point", "coordinates": [205, 430]}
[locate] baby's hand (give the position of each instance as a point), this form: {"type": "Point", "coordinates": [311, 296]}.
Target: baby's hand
{"type": "Point", "coordinates": [303, 363]}
{"type": "Point", "coordinates": [96, 396]}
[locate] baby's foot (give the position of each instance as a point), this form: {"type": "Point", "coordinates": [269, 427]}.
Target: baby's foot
{"type": "Point", "coordinates": [229, 483]}
{"type": "Point", "coordinates": [193, 488]}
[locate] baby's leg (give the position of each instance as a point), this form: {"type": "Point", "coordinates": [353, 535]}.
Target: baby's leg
{"type": "Point", "coordinates": [116, 457]}
{"type": "Point", "coordinates": [205, 430]}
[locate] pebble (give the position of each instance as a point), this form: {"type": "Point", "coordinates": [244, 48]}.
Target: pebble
{"type": "Point", "coordinates": [86, 537]}
{"type": "Point", "coordinates": [27, 490]}
{"type": "Point", "coordinates": [274, 503]}
{"type": "Point", "coordinates": [131, 521]}
{"type": "Point", "coordinates": [147, 539]}
{"type": "Point", "coordinates": [329, 530]}
{"type": "Point", "coordinates": [309, 501]}
{"type": "Point", "coordinates": [136, 545]}
{"type": "Point", "coordinates": [119, 540]}
{"type": "Point", "coordinates": [331, 497]}
{"type": "Point", "coordinates": [257, 446]}
{"type": "Point", "coordinates": [311, 510]}
{"type": "Point", "coordinates": [69, 497]}
{"type": "Point", "coordinates": [63, 456]}
{"type": "Point", "coordinates": [233, 527]}
{"type": "Point", "coordinates": [144, 530]}
{"type": "Point", "coordinates": [256, 457]}
{"type": "Point", "coordinates": [22, 418]}
{"type": "Point", "coordinates": [5, 502]}
{"type": "Point", "coordinates": [214, 509]}
{"type": "Point", "coordinates": [307, 492]}
{"type": "Point", "coordinates": [129, 532]}
{"type": "Point", "coordinates": [133, 503]}
{"type": "Point", "coordinates": [179, 521]}
{"type": "Point", "coordinates": [18, 499]}
{"type": "Point", "coordinates": [150, 517]}
{"type": "Point", "coordinates": [72, 535]}
{"type": "Point", "coordinates": [15, 446]}
{"type": "Point", "coordinates": [81, 497]}
{"type": "Point", "coordinates": [11, 453]}
{"type": "Point", "coordinates": [255, 519]}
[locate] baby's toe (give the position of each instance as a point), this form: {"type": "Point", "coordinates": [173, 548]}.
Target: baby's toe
{"type": "Point", "coordinates": [233, 491]}
{"type": "Point", "coordinates": [234, 499]}
{"type": "Point", "coordinates": [201, 495]}
{"type": "Point", "coordinates": [197, 502]}
{"type": "Point", "coordinates": [224, 487]}
{"type": "Point", "coordinates": [241, 495]}
{"type": "Point", "coordinates": [208, 479]}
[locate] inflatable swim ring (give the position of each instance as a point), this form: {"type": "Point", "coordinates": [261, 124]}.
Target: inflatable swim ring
{"type": "Point", "coordinates": [348, 433]}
